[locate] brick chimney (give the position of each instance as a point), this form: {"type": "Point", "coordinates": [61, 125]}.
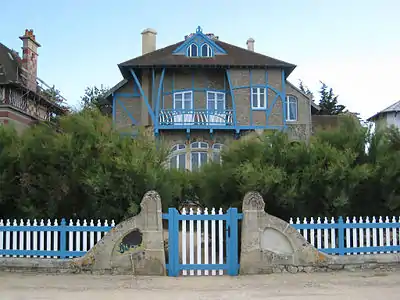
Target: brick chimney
{"type": "Point", "coordinates": [148, 40]}
{"type": "Point", "coordinates": [250, 44]}
{"type": "Point", "coordinates": [29, 58]}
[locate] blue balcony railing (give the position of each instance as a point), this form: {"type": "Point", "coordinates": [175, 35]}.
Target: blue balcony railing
{"type": "Point", "coordinates": [200, 118]}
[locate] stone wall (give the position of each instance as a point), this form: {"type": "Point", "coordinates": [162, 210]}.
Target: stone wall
{"type": "Point", "coordinates": [134, 246]}
{"type": "Point", "coordinates": [268, 245]}
{"type": "Point", "coordinates": [271, 245]}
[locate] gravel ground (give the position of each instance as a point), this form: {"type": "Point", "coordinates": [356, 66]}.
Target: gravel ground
{"type": "Point", "coordinates": [321, 286]}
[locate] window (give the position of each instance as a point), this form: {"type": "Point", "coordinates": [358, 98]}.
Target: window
{"type": "Point", "coordinates": [178, 157]}
{"type": "Point", "coordinates": [258, 99]}
{"type": "Point", "coordinates": [193, 50]}
{"type": "Point", "coordinates": [198, 155]}
{"type": "Point", "coordinates": [206, 50]}
{"type": "Point", "coordinates": [183, 100]}
{"type": "Point", "coordinates": [217, 152]}
{"type": "Point", "coordinates": [1, 70]}
{"type": "Point", "coordinates": [216, 101]}
{"type": "Point", "coordinates": [291, 108]}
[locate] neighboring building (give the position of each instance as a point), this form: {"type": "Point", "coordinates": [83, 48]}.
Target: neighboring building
{"type": "Point", "coordinates": [199, 93]}
{"type": "Point", "coordinates": [388, 117]}
{"type": "Point", "coordinates": [24, 98]}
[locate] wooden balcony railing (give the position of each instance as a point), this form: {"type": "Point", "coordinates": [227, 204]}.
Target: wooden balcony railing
{"type": "Point", "coordinates": [195, 117]}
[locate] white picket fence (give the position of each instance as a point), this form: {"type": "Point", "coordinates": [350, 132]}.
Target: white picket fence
{"type": "Point", "coordinates": [378, 235]}
{"type": "Point", "coordinates": [208, 245]}
{"type": "Point", "coordinates": [48, 240]}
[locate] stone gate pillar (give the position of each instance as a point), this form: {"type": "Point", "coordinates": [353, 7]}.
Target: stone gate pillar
{"type": "Point", "coordinates": [270, 244]}
{"type": "Point", "coordinates": [134, 246]}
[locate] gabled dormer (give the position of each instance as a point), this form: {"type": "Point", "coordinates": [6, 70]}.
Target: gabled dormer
{"type": "Point", "coordinates": [199, 45]}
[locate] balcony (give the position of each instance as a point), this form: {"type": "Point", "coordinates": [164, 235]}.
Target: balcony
{"type": "Point", "coordinates": [195, 118]}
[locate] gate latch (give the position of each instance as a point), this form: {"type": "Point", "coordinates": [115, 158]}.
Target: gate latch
{"type": "Point", "coordinates": [229, 231]}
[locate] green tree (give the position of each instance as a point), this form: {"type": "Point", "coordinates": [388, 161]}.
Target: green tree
{"type": "Point", "coordinates": [306, 90]}
{"type": "Point", "coordinates": [328, 101]}
{"type": "Point", "coordinates": [94, 98]}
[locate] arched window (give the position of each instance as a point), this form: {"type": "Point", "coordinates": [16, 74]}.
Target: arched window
{"type": "Point", "coordinates": [216, 154]}
{"type": "Point", "coordinates": [178, 157]}
{"type": "Point", "coordinates": [198, 155]}
{"type": "Point", "coordinates": [192, 50]}
{"type": "Point", "coordinates": [206, 50]}
{"type": "Point", "coordinates": [291, 108]}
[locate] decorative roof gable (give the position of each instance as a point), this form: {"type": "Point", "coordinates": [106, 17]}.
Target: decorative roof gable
{"type": "Point", "coordinates": [199, 45]}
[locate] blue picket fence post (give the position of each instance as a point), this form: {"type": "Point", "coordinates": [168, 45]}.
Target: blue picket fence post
{"type": "Point", "coordinates": [63, 238]}
{"type": "Point", "coordinates": [233, 262]}
{"type": "Point", "coordinates": [341, 227]}
{"type": "Point", "coordinates": [173, 242]}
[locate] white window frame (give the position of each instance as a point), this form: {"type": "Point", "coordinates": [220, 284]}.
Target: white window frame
{"type": "Point", "coordinates": [209, 50]}
{"type": "Point", "coordinates": [199, 147]}
{"type": "Point", "coordinates": [258, 95]}
{"type": "Point", "coordinates": [189, 50]}
{"type": "Point", "coordinates": [177, 151]}
{"type": "Point", "coordinates": [215, 99]}
{"type": "Point", "coordinates": [216, 149]}
{"type": "Point", "coordinates": [288, 108]}
{"type": "Point", "coordinates": [183, 99]}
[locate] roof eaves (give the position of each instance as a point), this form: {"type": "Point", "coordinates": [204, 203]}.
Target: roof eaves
{"type": "Point", "coordinates": [115, 87]}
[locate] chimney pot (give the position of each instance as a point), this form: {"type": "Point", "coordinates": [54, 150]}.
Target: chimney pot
{"type": "Point", "coordinates": [250, 44]}
{"type": "Point", "coordinates": [148, 40]}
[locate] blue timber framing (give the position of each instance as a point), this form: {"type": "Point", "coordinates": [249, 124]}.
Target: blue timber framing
{"type": "Point", "coordinates": [266, 94]}
{"type": "Point", "coordinates": [251, 98]}
{"type": "Point", "coordinates": [144, 97]}
{"type": "Point", "coordinates": [283, 97]}
{"type": "Point", "coordinates": [228, 77]}
{"type": "Point", "coordinates": [116, 102]}
{"type": "Point", "coordinates": [160, 88]}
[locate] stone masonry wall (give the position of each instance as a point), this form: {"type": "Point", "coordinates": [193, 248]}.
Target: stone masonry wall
{"type": "Point", "coordinates": [271, 245]}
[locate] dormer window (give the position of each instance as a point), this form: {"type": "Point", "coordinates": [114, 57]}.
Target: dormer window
{"type": "Point", "coordinates": [206, 50]}
{"type": "Point", "coordinates": [193, 50]}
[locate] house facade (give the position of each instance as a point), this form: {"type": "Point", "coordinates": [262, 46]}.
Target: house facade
{"type": "Point", "coordinates": [388, 117]}
{"type": "Point", "coordinates": [201, 92]}
{"type": "Point", "coordinates": [24, 98]}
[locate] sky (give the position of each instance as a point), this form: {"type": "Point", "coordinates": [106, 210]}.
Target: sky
{"type": "Point", "coordinates": [353, 46]}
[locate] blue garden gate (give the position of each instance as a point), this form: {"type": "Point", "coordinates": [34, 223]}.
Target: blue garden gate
{"type": "Point", "coordinates": [213, 242]}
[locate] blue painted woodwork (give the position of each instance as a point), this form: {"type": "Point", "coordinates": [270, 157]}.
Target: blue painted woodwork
{"type": "Point", "coordinates": [193, 90]}
{"type": "Point", "coordinates": [266, 95]}
{"type": "Point", "coordinates": [199, 39]}
{"type": "Point", "coordinates": [283, 98]}
{"type": "Point", "coordinates": [251, 97]}
{"type": "Point", "coordinates": [341, 226]}
{"type": "Point", "coordinates": [63, 230]}
{"type": "Point", "coordinates": [195, 118]}
{"type": "Point", "coordinates": [160, 87]}
{"type": "Point", "coordinates": [231, 219]}
{"type": "Point", "coordinates": [144, 97]}
{"type": "Point", "coordinates": [228, 76]}
{"type": "Point", "coordinates": [126, 110]}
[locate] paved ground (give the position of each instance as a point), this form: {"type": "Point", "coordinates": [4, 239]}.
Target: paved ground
{"type": "Point", "coordinates": [321, 286]}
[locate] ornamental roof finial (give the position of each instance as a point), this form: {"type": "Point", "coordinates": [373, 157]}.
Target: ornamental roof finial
{"type": "Point", "coordinates": [198, 29]}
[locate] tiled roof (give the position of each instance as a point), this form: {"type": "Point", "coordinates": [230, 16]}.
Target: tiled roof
{"type": "Point", "coordinates": [235, 57]}
{"type": "Point", "coordinates": [395, 107]}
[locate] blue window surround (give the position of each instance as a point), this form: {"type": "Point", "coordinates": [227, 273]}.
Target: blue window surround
{"type": "Point", "coordinates": [193, 50]}
{"type": "Point", "coordinates": [183, 100]}
{"type": "Point", "coordinates": [206, 48]}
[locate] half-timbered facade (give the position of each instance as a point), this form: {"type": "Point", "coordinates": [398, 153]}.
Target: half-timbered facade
{"type": "Point", "coordinates": [25, 98]}
{"type": "Point", "coordinates": [200, 92]}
